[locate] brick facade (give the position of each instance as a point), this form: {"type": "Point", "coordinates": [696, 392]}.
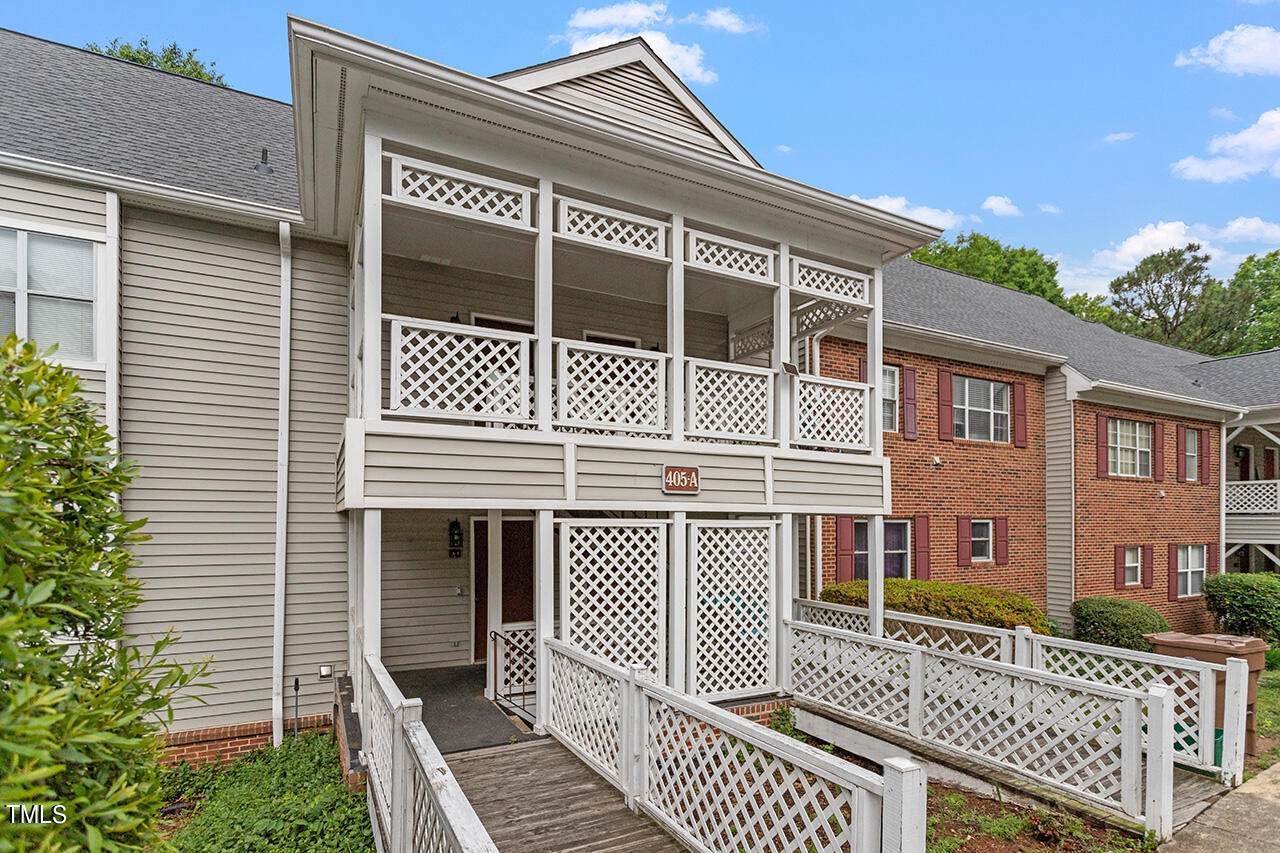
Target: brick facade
{"type": "Point", "coordinates": [1115, 511]}
{"type": "Point", "coordinates": [225, 743]}
{"type": "Point", "coordinates": [977, 479]}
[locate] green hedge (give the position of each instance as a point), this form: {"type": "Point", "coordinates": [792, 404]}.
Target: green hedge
{"type": "Point", "coordinates": [978, 605]}
{"type": "Point", "coordinates": [1245, 604]}
{"type": "Point", "coordinates": [1116, 622]}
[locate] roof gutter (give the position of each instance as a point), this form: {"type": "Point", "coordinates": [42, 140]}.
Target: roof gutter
{"type": "Point", "coordinates": [1120, 388]}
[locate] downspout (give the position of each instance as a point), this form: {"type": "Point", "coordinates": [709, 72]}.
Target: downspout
{"type": "Point", "coordinates": [282, 489]}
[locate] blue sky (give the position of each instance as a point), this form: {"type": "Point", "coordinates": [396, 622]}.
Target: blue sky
{"type": "Point", "coordinates": [1096, 132]}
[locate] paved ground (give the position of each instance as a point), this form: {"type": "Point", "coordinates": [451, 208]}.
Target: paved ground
{"type": "Point", "coordinates": [1247, 820]}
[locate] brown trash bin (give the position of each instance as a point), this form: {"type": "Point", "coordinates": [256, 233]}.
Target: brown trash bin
{"type": "Point", "coordinates": [1216, 648]}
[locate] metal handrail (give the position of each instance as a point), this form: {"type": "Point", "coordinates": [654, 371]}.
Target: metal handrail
{"type": "Point", "coordinates": [515, 694]}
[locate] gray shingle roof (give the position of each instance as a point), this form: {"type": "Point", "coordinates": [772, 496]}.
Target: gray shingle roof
{"type": "Point", "coordinates": [78, 108]}
{"type": "Point", "coordinates": [922, 295]}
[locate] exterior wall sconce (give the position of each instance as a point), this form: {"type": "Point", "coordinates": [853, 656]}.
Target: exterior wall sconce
{"type": "Point", "coordinates": [455, 538]}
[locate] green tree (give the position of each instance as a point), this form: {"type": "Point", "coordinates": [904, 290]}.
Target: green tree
{"type": "Point", "coordinates": [1261, 275]}
{"type": "Point", "coordinates": [984, 257]}
{"type": "Point", "coordinates": [81, 704]}
{"type": "Point", "coordinates": [169, 58]}
{"type": "Point", "coordinates": [1095, 309]}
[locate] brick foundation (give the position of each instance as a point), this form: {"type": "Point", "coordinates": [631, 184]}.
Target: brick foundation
{"type": "Point", "coordinates": [224, 743]}
{"type": "Point", "coordinates": [758, 711]}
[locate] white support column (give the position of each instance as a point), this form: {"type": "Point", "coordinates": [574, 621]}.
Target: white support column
{"type": "Point", "coordinates": [875, 574]}
{"type": "Point", "coordinates": [679, 600]}
{"type": "Point", "coordinates": [782, 344]}
{"type": "Point", "coordinates": [371, 592]}
{"type": "Point", "coordinates": [875, 362]}
{"type": "Point", "coordinates": [675, 329]}
{"type": "Point", "coordinates": [542, 299]}
{"type": "Point", "coordinates": [785, 591]}
{"type": "Point", "coordinates": [1234, 719]}
{"type": "Point", "coordinates": [493, 599]}
{"type": "Point", "coordinates": [371, 312]}
{"type": "Point", "coordinates": [903, 819]}
{"type": "Point", "coordinates": [355, 603]}
{"type": "Point", "coordinates": [1159, 803]}
{"type": "Point", "coordinates": [282, 488]}
{"type": "Point", "coordinates": [544, 611]}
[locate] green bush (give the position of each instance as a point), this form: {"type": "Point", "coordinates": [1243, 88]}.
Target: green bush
{"type": "Point", "coordinates": [1116, 622]}
{"type": "Point", "coordinates": [80, 705]}
{"type": "Point", "coordinates": [978, 605]}
{"type": "Point", "coordinates": [1245, 604]}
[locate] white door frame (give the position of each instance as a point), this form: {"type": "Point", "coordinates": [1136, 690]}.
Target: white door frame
{"type": "Point", "coordinates": [471, 577]}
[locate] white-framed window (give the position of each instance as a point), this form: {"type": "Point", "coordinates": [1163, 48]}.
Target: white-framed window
{"type": "Point", "coordinates": [1193, 454]}
{"type": "Point", "coordinates": [980, 409]}
{"type": "Point", "coordinates": [897, 549]}
{"type": "Point", "coordinates": [1128, 448]}
{"type": "Point", "coordinates": [1191, 563]}
{"type": "Point", "coordinates": [889, 398]}
{"type": "Point", "coordinates": [47, 289]}
{"type": "Point", "coordinates": [1132, 565]}
{"type": "Point", "coordinates": [611, 339]}
{"type": "Point", "coordinates": [980, 532]}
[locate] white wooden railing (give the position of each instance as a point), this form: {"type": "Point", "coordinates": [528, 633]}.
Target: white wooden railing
{"type": "Point", "coordinates": [728, 401]}
{"type": "Point", "coordinates": [611, 388]}
{"type": "Point", "coordinates": [417, 804]}
{"type": "Point", "coordinates": [1076, 736]}
{"type": "Point", "coordinates": [1253, 496]}
{"type": "Point", "coordinates": [719, 782]}
{"type": "Point", "coordinates": [1193, 682]}
{"type": "Point", "coordinates": [830, 412]}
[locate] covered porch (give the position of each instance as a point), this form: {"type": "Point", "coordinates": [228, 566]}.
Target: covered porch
{"type": "Point", "coordinates": [1251, 498]}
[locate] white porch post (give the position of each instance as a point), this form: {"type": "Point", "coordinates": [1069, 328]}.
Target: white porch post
{"type": "Point", "coordinates": [355, 603]}
{"type": "Point", "coordinates": [542, 299]}
{"type": "Point", "coordinates": [875, 524]}
{"type": "Point", "coordinates": [675, 329]}
{"type": "Point", "coordinates": [678, 595]}
{"type": "Point", "coordinates": [782, 343]}
{"type": "Point", "coordinates": [493, 600]}
{"type": "Point", "coordinates": [784, 589]}
{"type": "Point", "coordinates": [371, 313]}
{"type": "Point", "coordinates": [544, 607]}
{"type": "Point", "coordinates": [370, 596]}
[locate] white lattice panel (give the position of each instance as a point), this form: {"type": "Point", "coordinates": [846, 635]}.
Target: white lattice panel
{"type": "Point", "coordinates": [612, 228]}
{"type": "Point", "coordinates": [830, 412]}
{"type": "Point", "coordinates": [1253, 496]}
{"type": "Point", "coordinates": [731, 795]}
{"type": "Point", "coordinates": [458, 192]}
{"type": "Point", "coordinates": [518, 664]}
{"type": "Point", "coordinates": [731, 608]}
{"type": "Point", "coordinates": [378, 750]}
{"type": "Point", "coordinates": [945, 638]}
{"type": "Point", "coordinates": [446, 370]}
{"type": "Point", "coordinates": [820, 315]}
{"type": "Point", "coordinates": [861, 678]}
{"type": "Point", "coordinates": [729, 257]}
{"type": "Point", "coordinates": [429, 829]}
{"type": "Point", "coordinates": [610, 388]}
{"type": "Point", "coordinates": [829, 282]}
{"type": "Point", "coordinates": [830, 616]}
{"type": "Point", "coordinates": [586, 712]}
{"type": "Point", "coordinates": [613, 591]}
{"type": "Point", "coordinates": [751, 340]}
{"type": "Point", "coordinates": [729, 401]}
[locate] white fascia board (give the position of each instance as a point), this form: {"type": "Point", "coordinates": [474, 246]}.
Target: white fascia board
{"type": "Point", "coordinates": [923, 341]}
{"type": "Point", "coordinates": [1130, 396]}
{"type": "Point", "coordinates": [312, 39]}
{"type": "Point", "coordinates": [1269, 414]}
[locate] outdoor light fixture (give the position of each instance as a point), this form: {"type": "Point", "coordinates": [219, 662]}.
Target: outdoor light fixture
{"type": "Point", "coordinates": [790, 369]}
{"type": "Point", "coordinates": [326, 670]}
{"type": "Point", "coordinates": [262, 168]}
{"type": "Point", "coordinates": [455, 538]}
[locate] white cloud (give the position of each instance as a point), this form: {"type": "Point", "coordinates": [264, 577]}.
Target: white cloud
{"type": "Point", "coordinates": [618, 16]}
{"type": "Point", "coordinates": [931, 215]}
{"type": "Point", "coordinates": [1049, 208]}
{"type": "Point", "coordinates": [1123, 136]}
{"type": "Point", "coordinates": [723, 18]}
{"type": "Point", "coordinates": [1250, 229]}
{"type": "Point", "coordinates": [1239, 155]}
{"type": "Point", "coordinates": [1247, 49]}
{"type": "Point", "coordinates": [1001, 205]}
{"type": "Point", "coordinates": [1223, 113]}
{"type": "Point", "coordinates": [785, 149]}
{"type": "Point", "coordinates": [1150, 238]}
{"type": "Point", "coordinates": [686, 60]}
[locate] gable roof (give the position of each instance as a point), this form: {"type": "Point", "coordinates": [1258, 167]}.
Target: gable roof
{"type": "Point", "coordinates": [628, 82]}
{"type": "Point", "coordinates": [73, 107]}
{"type": "Point", "coordinates": [1252, 379]}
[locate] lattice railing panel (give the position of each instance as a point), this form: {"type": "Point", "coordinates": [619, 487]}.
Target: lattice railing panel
{"type": "Point", "coordinates": [459, 192]}
{"type": "Point", "coordinates": [820, 315]}
{"type": "Point", "coordinates": [730, 794]}
{"type": "Point", "coordinates": [730, 257]}
{"type": "Point", "coordinates": [830, 412]}
{"type": "Point", "coordinates": [456, 371]}
{"type": "Point", "coordinates": [732, 602]}
{"type": "Point", "coordinates": [845, 285]}
{"type": "Point", "coordinates": [607, 389]}
{"type": "Point", "coordinates": [614, 593]}
{"type": "Point", "coordinates": [754, 339]}
{"type": "Point", "coordinates": [859, 677]}
{"type": "Point", "coordinates": [378, 749]}
{"type": "Point", "coordinates": [518, 667]}
{"type": "Point", "coordinates": [612, 228]}
{"type": "Point", "coordinates": [729, 401]}
{"type": "Point", "coordinates": [1253, 496]}
{"type": "Point", "coordinates": [829, 616]}
{"type": "Point", "coordinates": [585, 709]}
{"type": "Point", "coordinates": [945, 638]}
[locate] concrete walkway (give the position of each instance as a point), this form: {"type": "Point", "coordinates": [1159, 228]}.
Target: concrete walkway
{"type": "Point", "coordinates": [1246, 820]}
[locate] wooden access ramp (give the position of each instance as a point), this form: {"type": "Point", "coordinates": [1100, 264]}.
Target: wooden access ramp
{"type": "Point", "coordinates": [537, 797]}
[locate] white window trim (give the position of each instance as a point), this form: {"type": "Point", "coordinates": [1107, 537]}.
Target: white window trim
{"type": "Point", "coordinates": [906, 560]}
{"type": "Point", "coordinates": [1136, 565]}
{"type": "Point", "coordinates": [990, 540]}
{"type": "Point", "coordinates": [1184, 568]}
{"type": "Point", "coordinates": [1114, 448]}
{"type": "Point", "coordinates": [498, 318]}
{"type": "Point", "coordinates": [622, 340]}
{"type": "Point", "coordinates": [1192, 467]}
{"type": "Point", "coordinates": [895, 386]}
{"type": "Point", "coordinates": [992, 412]}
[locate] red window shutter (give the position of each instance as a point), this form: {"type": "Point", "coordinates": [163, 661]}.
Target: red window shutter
{"type": "Point", "coordinates": [946, 427]}
{"type": "Point", "coordinates": [1120, 578]}
{"type": "Point", "coordinates": [909, 430]}
{"type": "Point", "coordinates": [922, 547]}
{"type": "Point", "coordinates": [1148, 568]}
{"type": "Point", "coordinates": [964, 541]}
{"type": "Point", "coordinates": [1204, 455]}
{"type": "Point", "coordinates": [1211, 559]}
{"type": "Point", "coordinates": [1019, 414]}
{"type": "Point", "coordinates": [1102, 446]}
{"type": "Point", "coordinates": [1173, 572]}
{"type": "Point", "coordinates": [844, 548]}
{"type": "Point", "coordinates": [1269, 463]}
{"type": "Point", "coordinates": [1182, 453]}
{"type": "Point", "coordinates": [862, 370]}
{"type": "Point", "coordinates": [1002, 541]}
{"type": "Point", "coordinates": [1157, 451]}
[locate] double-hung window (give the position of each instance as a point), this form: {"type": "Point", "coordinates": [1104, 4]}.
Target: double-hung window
{"type": "Point", "coordinates": [889, 398]}
{"type": "Point", "coordinates": [1191, 569]}
{"type": "Point", "coordinates": [1132, 565]}
{"type": "Point", "coordinates": [980, 540]}
{"type": "Point", "coordinates": [1128, 448]}
{"type": "Point", "coordinates": [1193, 454]}
{"type": "Point", "coordinates": [47, 288]}
{"type": "Point", "coordinates": [897, 536]}
{"type": "Point", "coordinates": [980, 409]}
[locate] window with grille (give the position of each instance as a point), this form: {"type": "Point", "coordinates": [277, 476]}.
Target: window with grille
{"type": "Point", "coordinates": [1132, 565]}
{"type": "Point", "coordinates": [1191, 569]}
{"type": "Point", "coordinates": [980, 409]}
{"type": "Point", "coordinates": [889, 398]}
{"type": "Point", "coordinates": [897, 560]}
{"type": "Point", "coordinates": [1128, 448]}
{"type": "Point", "coordinates": [1193, 454]}
{"type": "Point", "coordinates": [47, 288]}
{"type": "Point", "coordinates": [980, 540]}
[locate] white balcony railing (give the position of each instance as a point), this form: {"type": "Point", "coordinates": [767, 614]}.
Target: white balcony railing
{"type": "Point", "coordinates": [611, 388]}
{"type": "Point", "coordinates": [830, 412]}
{"type": "Point", "coordinates": [1254, 496]}
{"type": "Point", "coordinates": [728, 401]}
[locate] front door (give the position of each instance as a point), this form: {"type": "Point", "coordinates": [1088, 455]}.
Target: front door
{"type": "Point", "coordinates": [517, 577]}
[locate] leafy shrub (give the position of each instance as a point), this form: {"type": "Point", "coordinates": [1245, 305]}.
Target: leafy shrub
{"type": "Point", "coordinates": [1245, 604]}
{"type": "Point", "coordinates": [1116, 622]}
{"type": "Point", "coordinates": [978, 605]}
{"type": "Point", "coordinates": [80, 705]}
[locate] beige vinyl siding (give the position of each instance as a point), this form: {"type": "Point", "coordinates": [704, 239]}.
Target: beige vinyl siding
{"type": "Point", "coordinates": [1059, 427]}
{"type": "Point", "coordinates": [624, 475]}
{"type": "Point", "coordinates": [1253, 529]}
{"type": "Point", "coordinates": [425, 622]}
{"type": "Point", "coordinates": [436, 468]}
{"type": "Point", "coordinates": [803, 482]}
{"type": "Point", "coordinates": [316, 556]}
{"type": "Point", "coordinates": [199, 319]}
{"type": "Point", "coordinates": [41, 201]}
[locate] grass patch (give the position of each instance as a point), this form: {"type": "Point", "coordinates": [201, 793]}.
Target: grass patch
{"type": "Point", "coordinates": [1268, 711]}
{"type": "Point", "coordinates": [287, 799]}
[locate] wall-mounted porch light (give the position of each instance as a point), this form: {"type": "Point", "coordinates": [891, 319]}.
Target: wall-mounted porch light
{"type": "Point", "coordinates": [455, 538]}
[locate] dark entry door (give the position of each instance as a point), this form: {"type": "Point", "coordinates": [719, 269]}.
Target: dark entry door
{"type": "Point", "coordinates": [517, 577]}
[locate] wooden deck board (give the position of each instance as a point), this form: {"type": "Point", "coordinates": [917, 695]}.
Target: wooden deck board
{"type": "Point", "coordinates": [538, 797]}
